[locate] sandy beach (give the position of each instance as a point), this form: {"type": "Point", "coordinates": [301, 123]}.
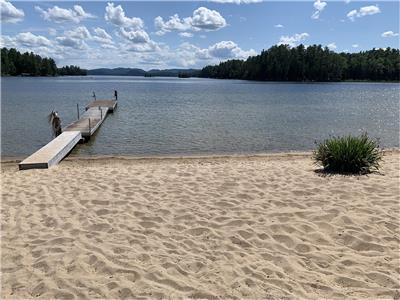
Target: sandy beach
{"type": "Point", "coordinates": [263, 227]}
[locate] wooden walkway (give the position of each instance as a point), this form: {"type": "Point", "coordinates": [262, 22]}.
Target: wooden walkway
{"type": "Point", "coordinates": [82, 129]}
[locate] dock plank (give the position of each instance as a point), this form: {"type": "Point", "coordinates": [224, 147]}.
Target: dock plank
{"type": "Point", "coordinates": [53, 152]}
{"type": "Point", "coordinates": [96, 115]}
{"type": "Point", "coordinates": [111, 104]}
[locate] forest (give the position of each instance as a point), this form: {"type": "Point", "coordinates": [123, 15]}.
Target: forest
{"type": "Point", "coordinates": [14, 63]}
{"type": "Point", "coordinates": [313, 63]}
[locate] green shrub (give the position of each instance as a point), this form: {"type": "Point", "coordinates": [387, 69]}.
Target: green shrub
{"type": "Point", "coordinates": [349, 154]}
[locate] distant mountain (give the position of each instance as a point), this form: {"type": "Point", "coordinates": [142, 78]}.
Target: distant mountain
{"type": "Point", "coordinates": [140, 72]}
{"type": "Point", "coordinates": [173, 72]}
{"type": "Point", "coordinates": [117, 72]}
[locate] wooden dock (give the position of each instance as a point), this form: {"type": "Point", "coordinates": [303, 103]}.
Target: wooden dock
{"type": "Point", "coordinates": [81, 129]}
{"type": "Point", "coordinates": [53, 152]}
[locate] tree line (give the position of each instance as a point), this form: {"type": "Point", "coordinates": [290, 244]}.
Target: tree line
{"type": "Point", "coordinates": [14, 63]}
{"type": "Point", "coordinates": [314, 63]}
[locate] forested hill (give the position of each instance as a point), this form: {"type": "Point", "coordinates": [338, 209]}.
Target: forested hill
{"type": "Point", "coordinates": [314, 63]}
{"type": "Point", "coordinates": [14, 63]}
{"type": "Point", "coordinates": [140, 72]}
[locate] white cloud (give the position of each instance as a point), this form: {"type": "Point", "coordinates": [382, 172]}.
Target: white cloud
{"type": "Point", "coordinates": [71, 42]}
{"type": "Point", "coordinates": [29, 39]}
{"type": "Point", "coordinates": [108, 46]}
{"type": "Point", "coordinates": [229, 49]}
{"type": "Point", "coordinates": [202, 19]}
{"type": "Point", "coordinates": [332, 46]}
{"type": "Point", "coordinates": [101, 36]}
{"type": "Point", "coordinates": [363, 11]}
{"type": "Point", "coordinates": [237, 1]}
{"type": "Point", "coordinates": [138, 41]}
{"type": "Point", "coordinates": [116, 16]}
{"type": "Point", "coordinates": [278, 26]}
{"type": "Point", "coordinates": [389, 34]}
{"type": "Point", "coordinates": [293, 40]}
{"type": "Point", "coordinates": [187, 54]}
{"type": "Point", "coordinates": [352, 14]}
{"type": "Point", "coordinates": [52, 31]}
{"type": "Point", "coordinates": [75, 38]}
{"type": "Point", "coordinates": [319, 6]}
{"type": "Point", "coordinates": [80, 32]}
{"type": "Point", "coordinates": [355, 45]}
{"type": "Point", "coordinates": [173, 24]}
{"type": "Point", "coordinates": [9, 13]}
{"type": "Point", "coordinates": [135, 36]}
{"type": "Point", "coordinates": [186, 34]}
{"type": "Point", "coordinates": [369, 10]}
{"type": "Point", "coordinates": [61, 15]}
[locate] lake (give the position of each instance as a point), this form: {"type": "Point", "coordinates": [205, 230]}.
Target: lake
{"type": "Point", "coordinates": [172, 116]}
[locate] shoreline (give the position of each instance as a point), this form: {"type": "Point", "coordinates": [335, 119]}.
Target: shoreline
{"type": "Point", "coordinates": [173, 157]}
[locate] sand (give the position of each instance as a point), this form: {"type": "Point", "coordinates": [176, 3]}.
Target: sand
{"type": "Point", "coordinates": [265, 227]}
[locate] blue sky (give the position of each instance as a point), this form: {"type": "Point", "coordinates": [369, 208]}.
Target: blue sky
{"type": "Point", "coordinates": [162, 34]}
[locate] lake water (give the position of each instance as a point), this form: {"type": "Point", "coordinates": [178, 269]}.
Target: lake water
{"type": "Point", "coordinates": [172, 116]}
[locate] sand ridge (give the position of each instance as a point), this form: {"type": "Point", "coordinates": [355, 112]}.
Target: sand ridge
{"type": "Point", "coordinates": [262, 227]}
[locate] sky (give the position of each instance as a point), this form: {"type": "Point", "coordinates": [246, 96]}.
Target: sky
{"type": "Point", "coordinates": [190, 34]}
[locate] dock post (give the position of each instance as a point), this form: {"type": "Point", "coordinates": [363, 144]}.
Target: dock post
{"type": "Point", "coordinates": [77, 109]}
{"type": "Point", "coordinates": [89, 127]}
{"type": "Point", "coordinates": [101, 113]}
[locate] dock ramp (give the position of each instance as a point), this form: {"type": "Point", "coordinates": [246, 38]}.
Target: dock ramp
{"type": "Point", "coordinates": [53, 152]}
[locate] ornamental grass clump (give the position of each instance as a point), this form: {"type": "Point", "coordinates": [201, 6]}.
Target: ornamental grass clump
{"type": "Point", "coordinates": [349, 155]}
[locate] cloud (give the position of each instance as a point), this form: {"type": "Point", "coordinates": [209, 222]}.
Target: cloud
{"type": "Point", "coordinates": [332, 46]}
{"type": "Point", "coordinates": [352, 14]}
{"type": "Point", "coordinates": [229, 49]}
{"type": "Point", "coordinates": [293, 40]}
{"type": "Point", "coordinates": [72, 42]}
{"type": "Point", "coordinates": [355, 45]}
{"type": "Point", "coordinates": [187, 54]}
{"type": "Point", "coordinates": [173, 24]}
{"type": "Point", "coordinates": [101, 36]}
{"type": "Point", "coordinates": [186, 34]}
{"type": "Point", "coordinates": [9, 13]}
{"type": "Point", "coordinates": [29, 39]}
{"type": "Point", "coordinates": [29, 42]}
{"type": "Point", "coordinates": [80, 32]}
{"type": "Point", "coordinates": [52, 31]}
{"type": "Point", "coordinates": [279, 26]}
{"type": "Point", "coordinates": [237, 1]}
{"type": "Point", "coordinates": [369, 10]}
{"type": "Point", "coordinates": [135, 36]}
{"type": "Point", "coordinates": [116, 16]}
{"type": "Point", "coordinates": [138, 41]}
{"type": "Point", "coordinates": [202, 19]}
{"type": "Point", "coordinates": [61, 15]}
{"type": "Point", "coordinates": [319, 6]}
{"type": "Point", "coordinates": [75, 38]}
{"type": "Point", "coordinates": [389, 34]}
{"type": "Point", "coordinates": [363, 11]}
